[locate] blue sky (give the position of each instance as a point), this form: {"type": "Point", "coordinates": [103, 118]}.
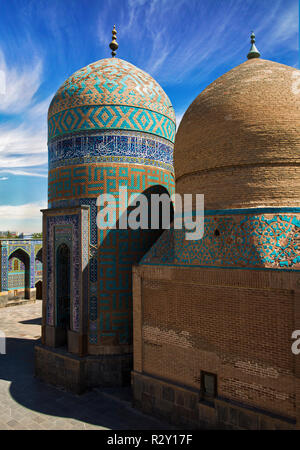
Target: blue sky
{"type": "Point", "coordinates": [183, 44]}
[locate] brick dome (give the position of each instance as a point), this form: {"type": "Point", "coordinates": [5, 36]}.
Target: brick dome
{"type": "Point", "coordinates": [111, 94]}
{"type": "Point", "coordinates": [239, 141]}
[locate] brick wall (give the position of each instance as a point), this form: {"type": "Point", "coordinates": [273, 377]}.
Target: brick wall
{"type": "Point", "coordinates": [242, 187]}
{"type": "Point", "coordinates": [236, 324]}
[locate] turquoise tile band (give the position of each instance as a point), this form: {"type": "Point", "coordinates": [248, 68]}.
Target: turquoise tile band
{"type": "Point", "coordinates": [110, 117]}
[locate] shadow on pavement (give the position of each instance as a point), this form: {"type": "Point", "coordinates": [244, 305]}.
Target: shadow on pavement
{"type": "Point", "coordinates": [37, 321]}
{"type": "Point", "coordinates": [95, 407]}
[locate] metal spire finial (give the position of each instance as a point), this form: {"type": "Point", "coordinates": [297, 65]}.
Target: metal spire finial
{"type": "Point", "coordinates": [114, 45]}
{"type": "Point", "coordinates": [253, 53]}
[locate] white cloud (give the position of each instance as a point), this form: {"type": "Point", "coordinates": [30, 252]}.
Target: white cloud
{"type": "Point", "coordinates": [26, 217]}
{"type": "Point", "coordinates": [2, 83]}
{"type": "Point", "coordinates": [287, 25]}
{"type": "Point", "coordinates": [23, 139]}
{"type": "Point", "coordinates": [22, 146]}
{"type": "Point", "coordinates": [103, 31]}
{"type": "Point", "coordinates": [26, 211]}
{"type": "Point", "coordinates": [185, 40]}
{"type": "Point", "coordinates": [23, 173]}
{"type": "Point", "coordinates": [20, 86]}
{"type": "Point", "coordinates": [278, 30]}
{"type": "Point", "coordinates": [3, 178]}
{"type": "Point", "coordinates": [40, 110]}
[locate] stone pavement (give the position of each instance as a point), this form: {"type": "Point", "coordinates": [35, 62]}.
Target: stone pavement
{"type": "Point", "coordinates": [27, 403]}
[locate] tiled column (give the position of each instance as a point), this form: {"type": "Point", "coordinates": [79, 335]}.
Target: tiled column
{"type": "Point", "coordinates": [4, 274]}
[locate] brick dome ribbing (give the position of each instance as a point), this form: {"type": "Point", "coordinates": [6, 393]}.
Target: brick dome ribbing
{"type": "Point", "coordinates": [239, 141]}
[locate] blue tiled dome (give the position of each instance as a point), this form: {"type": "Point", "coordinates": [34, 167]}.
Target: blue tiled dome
{"type": "Point", "coordinates": [111, 94]}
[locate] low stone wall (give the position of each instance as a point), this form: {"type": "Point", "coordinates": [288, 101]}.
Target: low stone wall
{"type": "Point", "coordinates": [3, 299]}
{"type": "Point", "coordinates": [181, 406]}
{"type": "Point", "coordinates": [16, 294]}
{"type": "Point", "coordinates": [78, 374]}
{"type": "Point", "coordinates": [17, 297]}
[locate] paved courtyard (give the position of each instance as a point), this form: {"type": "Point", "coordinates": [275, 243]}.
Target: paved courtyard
{"type": "Point", "coordinates": [27, 403]}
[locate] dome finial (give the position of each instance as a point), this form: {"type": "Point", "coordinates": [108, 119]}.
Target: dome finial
{"type": "Point", "coordinates": [114, 45]}
{"type": "Point", "coordinates": [253, 53]}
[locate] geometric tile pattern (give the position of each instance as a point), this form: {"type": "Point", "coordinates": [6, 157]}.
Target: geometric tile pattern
{"type": "Point", "coordinates": [118, 250]}
{"type": "Point", "coordinates": [112, 146]}
{"type": "Point", "coordinates": [91, 202]}
{"type": "Point", "coordinates": [237, 240]}
{"type": "Point", "coordinates": [4, 267]}
{"type": "Point", "coordinates": [126, 93]}
{"type": "Point", "coordinates": [91, 180]}
{"type": "Point", "coordinates": [110, 117]}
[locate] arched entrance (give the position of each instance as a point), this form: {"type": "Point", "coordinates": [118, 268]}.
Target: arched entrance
{"type": "Point", "coordinates": [39, 290]}
{"type": "Point", "coordinates": [149, 236]}
{"type": "Point", "coordinates": [39, 274]}
{"type": "Point", "coordinates": [19, 274]}
{"type": "Point", "coordinates": [63, 287]}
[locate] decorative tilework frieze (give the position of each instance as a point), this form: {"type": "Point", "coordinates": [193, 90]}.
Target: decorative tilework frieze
{"type": "Point", "coordinates": [93, 269]}
{"type": "Point", "coordinates": [135, 148]}
{"type": "Point", "coordinates": [234, 241]}
{"type": "Point", "coordinates": [85, 225]}
{"type": "Point", "coordinates": [32, 266]}
{"type": "Point", "coordinates": [110, 117]}
{"type": "Point", "coordinates": [93, 303]}
{"type": "Point", "coordinates": [91, 202]}
{"type": "Point", "coordinates": [63, 235]}
{"type": "Point", "coordinates": [4, 267]}
{"type": "Point", "coordinates": [25, 248]}
{"type": "Point", "coordinates": [93, 180]}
